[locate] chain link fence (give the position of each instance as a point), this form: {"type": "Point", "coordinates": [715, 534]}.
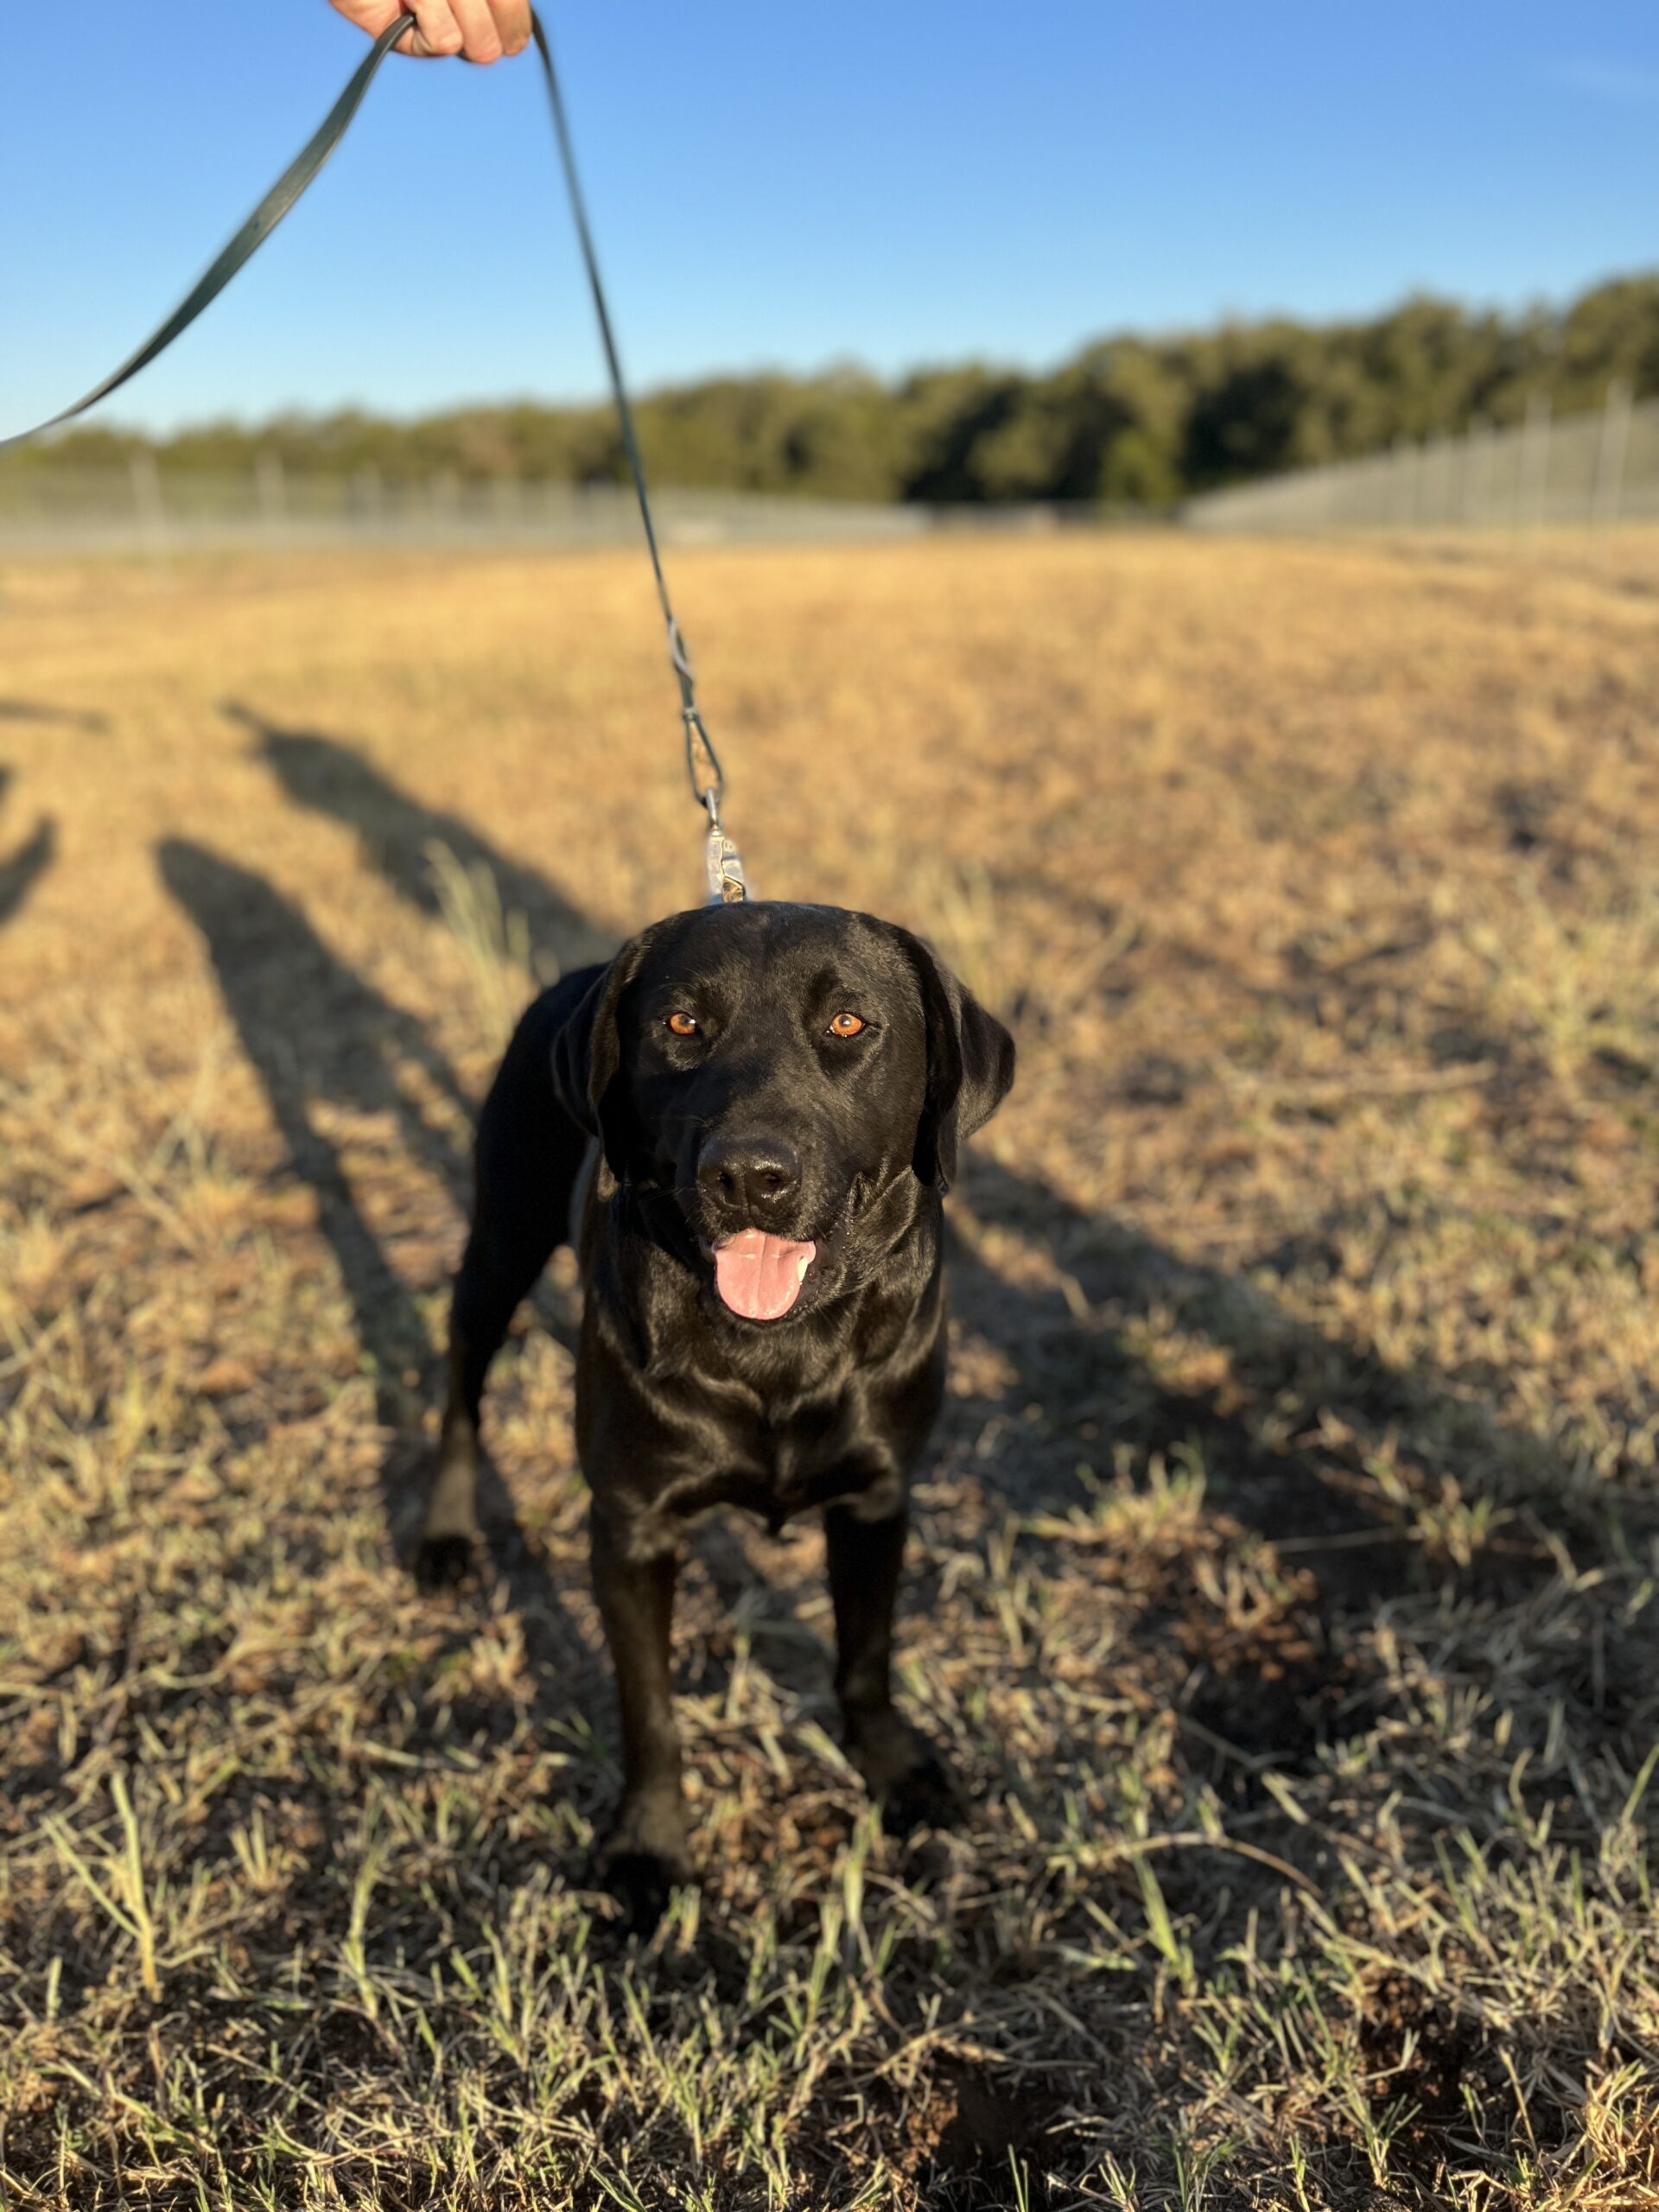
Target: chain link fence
{"type": "Point", "coordinates": [1596, 468]}
{"type": "Point", "coordinates": [144, 507]}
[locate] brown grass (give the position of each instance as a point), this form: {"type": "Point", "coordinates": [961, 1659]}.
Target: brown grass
{"type": "Point", "coordinates": [1284, 1573]}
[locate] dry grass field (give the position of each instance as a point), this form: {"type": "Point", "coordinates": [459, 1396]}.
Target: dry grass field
{"type": "Point", "coordinates": [1284, 1581]}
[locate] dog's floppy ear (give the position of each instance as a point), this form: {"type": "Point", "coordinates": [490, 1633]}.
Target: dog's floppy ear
{"type": "Point", "coordinates": [588, 1055]}
{"type": "Point", "coordinates": [969, 1066]}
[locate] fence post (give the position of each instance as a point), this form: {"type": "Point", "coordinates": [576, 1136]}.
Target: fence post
{"type": "Point", "coordinates": [1401, 488]}
{"type": "Point", "coordinates": [445, 494]}
{"type": "Point", "coordinates": [150, 508]}
{"type": "Point", "coordinates": [1436, 506]}
{"type": "Point", "coordinates": [1611, 442]}
{"type": "Point", "coordinates": [365, 502]}
{"type": "Point", "coordinates": [1532, 487]}
{"type": "Point", "coordinates": [1476, 471]}
{"type": "Point", "coordinates": [270, 484]}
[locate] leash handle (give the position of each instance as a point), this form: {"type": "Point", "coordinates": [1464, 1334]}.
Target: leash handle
{"type": "Point", "coordinates": [725, 866]}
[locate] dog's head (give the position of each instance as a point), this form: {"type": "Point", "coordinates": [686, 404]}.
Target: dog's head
{"type": "Point", "coordinates": [780, 1070]}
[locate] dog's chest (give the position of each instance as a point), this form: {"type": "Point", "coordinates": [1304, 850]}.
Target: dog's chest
{"type": "Point", "coordinates": [780, 1467]}
{"type": "Point", "coordinates": [679, 1413]}
{"type": "Point", "coordinates": [777, 1456]}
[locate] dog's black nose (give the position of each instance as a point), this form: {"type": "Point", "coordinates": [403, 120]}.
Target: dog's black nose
{"type": "Point", "coordinates": [756, 1175]}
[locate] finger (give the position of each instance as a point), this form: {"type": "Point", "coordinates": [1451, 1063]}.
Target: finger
{"type": "Point", "coordinates": [481, 40]}
{"type": "Point", "coordinates": [513, 23]}
{"type": "Point", "coordinates": [375, 17]}
{"type": "Point", "coordinates": [481, 29]}
{"type": "Point", "coordinates": [437, 33]}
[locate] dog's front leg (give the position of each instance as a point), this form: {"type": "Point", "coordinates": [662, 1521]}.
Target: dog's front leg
{"type": "Point", "coordinates": [646, 1854]}
{"type": "Point", "coordinates": [866, 1549]}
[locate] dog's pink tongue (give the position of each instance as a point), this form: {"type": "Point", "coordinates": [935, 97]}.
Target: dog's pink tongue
{"type": "Point", "coordinates": [760, 1276]}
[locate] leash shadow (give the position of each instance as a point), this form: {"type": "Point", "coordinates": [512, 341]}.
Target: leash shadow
{"type": "Point", "coordinates": [35, 710]}
{"type": "Point", "coordinates": [397, 831]}
{"type": "Point", "coordinates": [322, 1041]}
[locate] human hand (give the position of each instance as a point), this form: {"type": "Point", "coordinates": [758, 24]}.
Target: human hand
{"type": "Point", "coordinates": [481, 31]}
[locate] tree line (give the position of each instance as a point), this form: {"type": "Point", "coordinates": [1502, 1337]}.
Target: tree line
{"type": "Point", "coordinates": [1130, 423]}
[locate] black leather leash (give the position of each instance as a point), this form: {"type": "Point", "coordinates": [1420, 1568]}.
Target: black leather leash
{"type": "Point", "coordinates": [725, 866]}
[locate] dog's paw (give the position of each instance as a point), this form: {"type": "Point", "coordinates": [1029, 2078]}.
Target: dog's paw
{"type": "Point", "coordinates": [642, 1881]}
{"type": "Point", "coordinates": [441, 1562]}
{"type": "Point", "coordinates": [927, 1795]}
{"type": "Point", "coordinates": [644, 1860]}
{"type": "Point", "coordinates": [909, 1779]}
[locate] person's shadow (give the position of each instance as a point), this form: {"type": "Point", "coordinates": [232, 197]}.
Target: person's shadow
{"type": "Point", "coordinates": [398, 834]}
{"type": "Point", "coordinates": [317, 1035]}
{"type": "Point", "coordinates": [20, 873]}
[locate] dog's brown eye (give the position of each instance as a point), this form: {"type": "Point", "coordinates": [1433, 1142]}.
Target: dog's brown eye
{"type": "Point", "coordinates": [682, 1025]}
{"type": "Point", "coordinates": [847, 1025]}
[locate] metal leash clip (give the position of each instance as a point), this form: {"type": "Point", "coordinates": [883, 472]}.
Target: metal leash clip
{"type": "Point", "coordinates": [728, 885]}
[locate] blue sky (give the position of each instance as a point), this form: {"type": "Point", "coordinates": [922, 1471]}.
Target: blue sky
{"type": "Point", "coordinates": [779, 185]}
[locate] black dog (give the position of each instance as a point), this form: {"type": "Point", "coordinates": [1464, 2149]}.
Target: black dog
{"type": "Point", "coordinates": [744, 1125]}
